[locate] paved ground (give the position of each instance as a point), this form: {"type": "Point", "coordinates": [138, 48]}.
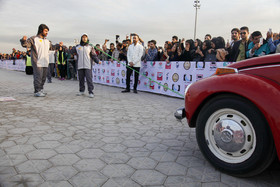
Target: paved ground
{"type": "Point", "coordinates": [112, 140]}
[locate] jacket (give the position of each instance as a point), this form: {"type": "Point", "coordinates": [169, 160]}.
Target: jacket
{"type": "Point", "coordinates": [39, 50]}
{"type": "Point", "coordinates": [85, 55]}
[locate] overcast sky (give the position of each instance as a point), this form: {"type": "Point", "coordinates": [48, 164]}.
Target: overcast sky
{"type": "Point", "coordinates": [151, 19]}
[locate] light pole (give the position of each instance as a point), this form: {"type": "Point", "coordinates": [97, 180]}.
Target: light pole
{"type": "Point", "coordinates": [197, 6]}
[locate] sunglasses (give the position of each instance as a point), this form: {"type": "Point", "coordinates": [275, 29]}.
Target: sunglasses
{"type": "Point", "coordinates": [243, 33]}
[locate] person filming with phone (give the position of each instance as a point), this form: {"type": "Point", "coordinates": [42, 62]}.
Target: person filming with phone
{"type": "Point", "coordinates": [258, 46]}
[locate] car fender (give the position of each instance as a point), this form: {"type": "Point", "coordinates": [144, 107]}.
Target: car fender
{"type": "Point", "coordinates": [262, 92]}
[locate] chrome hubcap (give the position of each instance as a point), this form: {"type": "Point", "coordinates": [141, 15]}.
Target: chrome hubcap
{"type": "Point", "coordinates": [230, 136]}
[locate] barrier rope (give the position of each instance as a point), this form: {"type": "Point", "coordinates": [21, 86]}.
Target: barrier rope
{"type": "Point", "coordinates": [139, 72]}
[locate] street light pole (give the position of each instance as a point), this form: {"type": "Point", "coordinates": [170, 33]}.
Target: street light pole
{"type": "Point", "coordinates": [197, 6]}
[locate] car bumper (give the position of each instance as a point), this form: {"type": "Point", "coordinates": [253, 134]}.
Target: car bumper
{"type": "Point", "coordinates": [180, 113]}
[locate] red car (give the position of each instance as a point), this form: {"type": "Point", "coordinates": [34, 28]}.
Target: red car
{"type": "Point", "coordinates": [236, 113]}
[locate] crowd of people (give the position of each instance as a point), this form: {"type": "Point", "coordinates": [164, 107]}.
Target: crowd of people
{"type": "Point", "coordinates": [243, 45]}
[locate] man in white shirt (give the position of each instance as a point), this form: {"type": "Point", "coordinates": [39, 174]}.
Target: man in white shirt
{"type": "Point", "coordinates": [51, 66]}
{"type": "Point", "coordinates": [134, 54]}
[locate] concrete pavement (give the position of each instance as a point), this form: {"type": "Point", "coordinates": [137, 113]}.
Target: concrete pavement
{"type": "Point", "coordinates": [114, 139]}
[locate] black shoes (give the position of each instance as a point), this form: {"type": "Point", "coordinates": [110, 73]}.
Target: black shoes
{"type": "Point", "coordinates": [135, 91]}
{"type": "Point", "coordinates": [125, 91]}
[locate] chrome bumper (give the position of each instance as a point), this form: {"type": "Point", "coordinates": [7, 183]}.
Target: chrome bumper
{"type": "Point", "coordinates": [180, 113]}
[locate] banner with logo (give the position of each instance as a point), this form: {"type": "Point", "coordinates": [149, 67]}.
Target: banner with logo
{"type": "Point", "coordinates": [18, 65]}
{"type": "Point", "coordinates": [174, 75]}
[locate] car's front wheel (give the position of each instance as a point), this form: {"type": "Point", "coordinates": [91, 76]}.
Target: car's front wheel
{"type": "Point", "coordinates": [234, 136]}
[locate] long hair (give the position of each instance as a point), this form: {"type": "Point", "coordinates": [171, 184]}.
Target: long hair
{"type": "Point", "coordinates": [41, 28]}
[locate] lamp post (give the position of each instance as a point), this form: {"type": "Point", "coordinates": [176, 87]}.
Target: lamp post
{"type": "Point", "coordinates": [197, 6]}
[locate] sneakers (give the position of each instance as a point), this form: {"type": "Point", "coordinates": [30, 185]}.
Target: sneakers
{"type": "Point", "coordinates": [43, 92]}
{"type": "Point", "coordinates": [91, 95]}
{"type": "Point", "coordinates": [125, 91]}
{"type": "Point", "coordinates": [39, 94]}
{"type": "Point", "coordinates": [49, 81]}
{"type": "Point", "coordinates": [80, 93]}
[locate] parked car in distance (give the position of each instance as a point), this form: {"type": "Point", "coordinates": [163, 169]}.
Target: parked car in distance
{"type": "Point", "coordinates": [236, 113]}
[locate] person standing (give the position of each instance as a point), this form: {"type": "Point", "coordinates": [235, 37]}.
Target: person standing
{"type": "Point", "coordinates": [134, 54]}
{"type": "Point", "coordinates": [51, 66]}
{"type": "Point", "coordinates": [40, 47]}
{"type": "Point", "coordinates": [61, 61]}
{"type": "Point", "coordinates": [85, 52]}
{"type": "Point", "coordinates": [28, 68]}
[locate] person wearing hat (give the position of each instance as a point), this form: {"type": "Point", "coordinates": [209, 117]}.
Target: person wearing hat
{"type": "Point", "coordinates": [85, 52]}
{"type": "Point", "coordinates": [39, 46]}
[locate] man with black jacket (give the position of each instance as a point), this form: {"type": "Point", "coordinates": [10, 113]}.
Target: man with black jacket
{"type": "Point", "coordinates": [239, 48]}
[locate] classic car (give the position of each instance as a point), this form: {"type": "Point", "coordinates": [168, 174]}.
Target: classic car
{"type": "Point", "coordinates": [236, 113]}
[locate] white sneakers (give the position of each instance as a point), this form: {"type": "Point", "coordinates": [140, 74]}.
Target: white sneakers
{"type": "Point", "coordinates": [80, 93]}
{"type": "Point", "coordinates": [39, 94]}
{"type": "Point", "coordinates": [91, 95]}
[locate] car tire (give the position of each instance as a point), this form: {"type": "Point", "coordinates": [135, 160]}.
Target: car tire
{"type": "Point", "coordinates": [234, 136]}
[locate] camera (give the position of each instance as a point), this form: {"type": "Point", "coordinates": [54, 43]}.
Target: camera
{"type": "Point", "coordinates": [107, 40]}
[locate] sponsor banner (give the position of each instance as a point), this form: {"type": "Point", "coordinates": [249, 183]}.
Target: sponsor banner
{"type": "Point", "coordinates": [18, 65]}
{"type": "Point", "coordinates": [174, 75]}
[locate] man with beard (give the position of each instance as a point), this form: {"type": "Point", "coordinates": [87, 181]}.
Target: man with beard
{"type": "Point", "coordinates": [39, 46]}
{"type": "Point", "coordinates": [85, 52]}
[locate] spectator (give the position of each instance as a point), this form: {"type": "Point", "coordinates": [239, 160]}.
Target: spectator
{"type": "Point", "coordinates": [104, 48]}
{"type": "Point", "coordinates": [210, 54]}
{"type": "Point", "coordinates": [174, 40]}
{"type": "Point", "coordinates": [275, 36]}
{"type": "Point", "coordinates": [198, 55]}
{"type": "Point", "coordinates": [116, 52]}
{"type": "Point", "coordinates": [206, 45]}
{"type": "Point", "coordinates": [123, 52]}
{"type": "Point", "coordinates": [111, 50]}
{"type": "Point", "coordinates": [208, 37]}
{"type": "Point", "coordinates": [166, 51]}
{"type": "Point", "coordinates": [51, 66]}
{"type": "Point", "coordinates": [28, 68]}
{"type": "Point", "coordinates": [272, 44]}
{"type": "Point", "coordinates": [258, 47]}
{"type": "Point", "coordinates": [235, 36]}
{"type": "Point", "coordinates": [220, 49]}
{"type": "Point", "coordinates": [239, 48]}
{"type": "Point", "coordinates": [152, 52]}
{"type": "Point", "coordinates": [61, 61]}
{"type": "Point", "coordinates": [188, 51]}
{"type": "Point", "coordinates": [134, 54]}
{"type": "Point", "coordinates": [98, 51]}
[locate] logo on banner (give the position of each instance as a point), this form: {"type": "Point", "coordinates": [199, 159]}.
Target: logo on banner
{"type": "Point", "coordinates": [145, 84]}
{"type": "Point", "coordinates": [199, 76]}
{"type": "Point", "coordinates": [213, 66]}
{"type": "Point", "coordinates": [144, 64]}
{"type": "Point", "coordinates": [108, 72]}
{"type": "Point", "coordinates": [176, 87]}
{"type": "Point", "coordinates": [103, 71]}
{"type": "Point", "coordinates": [118, 64]}
{"type": "Point", "coordinates": [117, 80]}
{"type": "Point", "coordinates": [94, 70]}
{"type": "Point", "coordinates": [168, 65]}
{"type": "Point", "coordinates": [103, 63]}
{"type": "Point", "coordinates": [94, 77]}
{"type": "Point", "coordinates": [177, 65]}
{"type": "Point", "coordinates": [175, 77]}
{"type": "Point", "coordinates": [118, 72]}
{"type": "Point", "coordinates": [153, 63]}
{"type": "Point", "coordinates": [113, 79]}
{"type": "Point", "coordinates": [200, 65]}
{"type": "Point", "coordinates": [187, 78]}
{"type": "Point", "coordinates": [103, 79]}
{"type": "Point", "coordinates": [159, 76]}
{"type": "Point", "coordinates": [123, 81]}
{"type": "Point", "coordinates": [146, 73]}
{"type": "Point", "coordinates": [123, 73]}
{"type": "Point", "coordinates": [153, 75]}
{"type": "Point", "coordinates": [165, 87]}
{"type": "Point", "coordinates": [187, 65]}
{"type": "Point", "coordinates": [113, 72]}
{"type": "Point", "coordinates": [98, 71]}
{"type": "Point", "coordinates": [99, 78]}
{"type": "Point", "coordinates": [159, 85]}
{"type": "Point", "coordinates": [107, 79]}
{"type": "Point", "coordinates": [152, 85]}
{"type": "Point", "coordinates": [167, 76]}
{"type": "Point", "coordinates": [160, 65]}
{"type": "Point", "coordinates": [108, 63]}
{"type": "Point", "coordinates": [113, 64]}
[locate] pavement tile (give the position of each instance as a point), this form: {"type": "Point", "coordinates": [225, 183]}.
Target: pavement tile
{"type": "Point", "coordinates": [148, 177]}
{"type": "Point", "coordinates": [89, 165]}
{"type": "Point", "coordinates": [117, 170]}
{"type": "Point", "coordinates": [59, 173]}
{"type": "Point", "coordinates": [33, 166]}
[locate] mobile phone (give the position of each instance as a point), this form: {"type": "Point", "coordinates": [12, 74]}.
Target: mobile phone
{"type": "Point", "coordinates": [261, 41]}
{"type": "Point", "coordinates": [270, 30]}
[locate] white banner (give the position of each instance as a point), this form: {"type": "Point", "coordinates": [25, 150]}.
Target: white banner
{"type": "Point", "coordinates": [174, 75]}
